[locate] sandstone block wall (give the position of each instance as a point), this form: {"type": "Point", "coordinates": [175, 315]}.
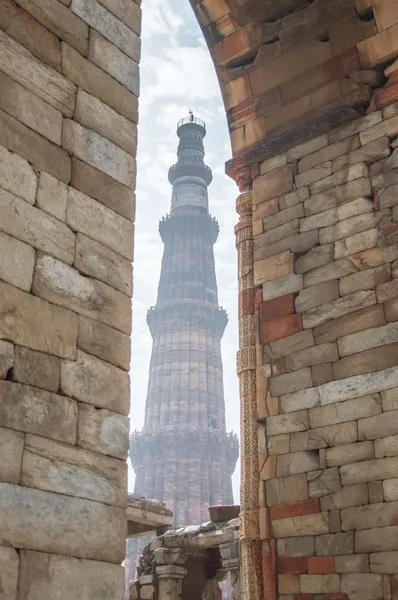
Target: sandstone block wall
{"type": "Point", "coordinates": [68, 133]}
{"type": "Point", "coordinates": [325, 225]}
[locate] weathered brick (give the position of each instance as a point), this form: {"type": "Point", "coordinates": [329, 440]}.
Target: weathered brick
{"type": "Point", "coordinates": [36, 368]}
{"type": "Point", "coordinates": [367, 153]}
{"type": "Point", "coordinates": [288, 489]}
{"type": "Point", "coordinates": [324, 482]}
{"type": "Point", "coordinates": [349, 495]}
{"type": "Point", "coordinates": [350, 226]}
{"type": "Point", "coordinates": [311, 356]}
{"type": "Point", "coordinates": [321, 564]}
{"type": "Point", "coordinates": [276, 183]}
{"type": "Point", "coordinates": [283, 285]}
{"type": "Point", "coordinates": [387, 291]}
{"type": "Point", "coordinates": [331, 271]}
{"type": "Point", "coordinates": [365, 280]}
{"type": "Point", "coordinates": [379, 539]}
{"type": "Point", "coordinates": [364, 362]}
{"type": "Point", "coordinates": [321, 437]}
{"type": "Point", "coordinates": [305, 507]}
{"type": "Point", "coordinates": [321, 374]}
{"type": "Point", "coordinates": [287, 423]}
{"type": "Point", "coordinates": [338, 308]}
{"type": "Point", "coordinates": [384, 562]}
{"type": "Point", "coordinates": [52, 196]}
{"type": "Point", "coordinates": [329, 152]}
{"type": "Point", "coordinates": [371, 470]}
{"type": "Point", "coordinates": [356, 207]}
{"type": "Point", "coordinates": [273, 267]}
{"type": "Point", "coordinates": [296, 547]}
{"type": "Point", "coordinates": [387, 446]}
{"type": "Point", "coordinates": [17, 260]}
{"type": "Point", "coordinates": [293, 343]}
{"type": "Point", "coordinates": [297, 462]}
{"type": "Point", "coordinates": [370, 338]}
{"type": "Point", "coordinates": [296, 565]}
{"type": "Point", "coordinates": [342, 177]}
{"type": "Point", "coordinates": [17, 176]}
{"type": "Point", "coordinates": [288, 583]}
{"type": "Point", "coordinates": [382, 514]}
{"type": "Point", "coordinates": [316, 257]}
{"type": "Point", "coordinates": [320, 584]}
{"type": "Point", "coordinates": [281, 218]}
{"type": "Point", "coordinates": [299, 400]}
{"type": "Point", "coordinates": [278, 444]}
{"type": "Point", "coordinates": [280, 328]}
{"type": "Point", "coordinates": [276, 308]}
{"type": "Point", "coordinates": [363, 586]}
{"type": "Point", "coordinates": [359, 563]}
{"type": "Point", "coordinates": [290, 382]}
{"type": "Point", "coordinates": [102, 431]}
{"type": "Point", "coordinates": [378, 426]}
{"type": "Point", "coordinates": [359, 385]}
{"type": "Point", "coordinates": [315, 174]}
{"type": "Point", "coordinates": [334, 544]}
{"type": "Point", "coordinates": [9, 565]}
{"type": "Point", "coordinates": [11, 448]}
{"type": "Point", "coordinates": [128, 12]}
{"type": "Point", "coordinates": [389, 399]}
{"type": "Point", "coordinates": [390, 489]}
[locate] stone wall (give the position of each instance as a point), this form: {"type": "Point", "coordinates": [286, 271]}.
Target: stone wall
{"type": "Point", "coordinates": [68, 131]}
{"type": "Point", "coordinates": [325, 225]}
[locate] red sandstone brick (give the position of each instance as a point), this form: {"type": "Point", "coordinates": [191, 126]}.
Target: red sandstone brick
{"type": "Point", "coordinates": [320, 565]}
{"type": "Point", "coordinates": [305, 507]}
{"type": "Point", "coordinates": [278, 307]}
{"type": "Point", "coordinates": [280, 328]}
{"type": "Point", "coordinates": [287, 564]}
{"type": "Point", "coordinates": [223, 513]}
{"type": "Point", "coordinates": [384, 97]}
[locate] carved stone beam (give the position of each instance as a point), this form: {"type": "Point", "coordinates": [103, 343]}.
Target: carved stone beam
{"type": "Point", "coordinates": [169, 572]}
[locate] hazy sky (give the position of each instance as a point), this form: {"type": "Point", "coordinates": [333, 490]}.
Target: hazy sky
{"type": "Point", "coordinates": [177, 75]}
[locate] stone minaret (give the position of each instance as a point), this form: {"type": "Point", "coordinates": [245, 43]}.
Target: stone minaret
{"type": "Point", "coordinates": [183, 455]}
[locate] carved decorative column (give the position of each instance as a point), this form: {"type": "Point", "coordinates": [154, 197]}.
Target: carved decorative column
{"type": "Point", "coordinates": [169, 572]}
{"type": "Point", "coordinates": [246, 367]}
{"type": "Point", "coordinates": [231, 563]}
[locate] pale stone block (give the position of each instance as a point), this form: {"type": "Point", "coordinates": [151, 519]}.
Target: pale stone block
{"type": "Point", "coordinates": [275, 183]}
{"type": "Point", "coordinates": [273, 163]}
{"type": "Point", "coordinates": [365, 280]}
{"type": "Point", "coordinates": [303, 525]}
{"type": "Point", "coordinates": [386, 128]}
{"type": "Point", "coordinates": [293, 343]}
{"type": "Point", "coordinates": [357, 386]}
{"type": "Point", "coordinates": [273, 267]}
{"type": "Point", "coordinates": [312, 356]}
{"type": "Point", "coordinates": [316, 257]}
{"type": "Point", "coordinates": [296, 546]}
{"type": "Point", "coordinates": [36, 368]}
{"type": "Point", "coordinates": [36, 324]}
{"type": "Point", "coordinates": [35, 227]}
{"type": "Point", "coordinates": [52, 196]}
{"type": "Point", "coordinates": [296, 243]}
{"type": "Point", "coordinates": [331, 271]}
{"type": "Point", "coordinates": [294, 421]}
{"type": "Point", "coordinates": [103, 341]}
{"type": "Point", "coordinates": [375, 492]}
{"type": "Point", "coordinates": [61, 524]}
{"type": "Point", "coordinates": [342, 177]}
{"type": "Point", "coordinates": [60, 284]}
{"type": "Point", "coordinates": [316, 296]}
{"type": "Point", "coordinates": [359, 188]}
{"type": "Point", "coordinates": [387, 446]}
{"type": "Point", "coordinates": [355, 243]}
{"type": "Point", "coordinates": [30, 109]}
{"type": "Point", "coordinates": [349, 453]}
{"type": "Point", "coordinates": [17, 262]}
{"type": "Point", "coordinates": [370, 470]}
{"type": "Point", "coordinates": [338, 308]}
{"type": "Point", "coordinates": [359, 563]}
{"type": "Point", "coordinates": [389, 399]}
{"type": "Point", "coordinates": [388, 197]}
{"type": "Point", "coordinates": [377, 540]}
{"type": "Point", "coordinates": [96, 382]}
{"type": "Point", "coordinates": [283, 285]}
{"type": "Point", "coordinates": [271, 238]}
{"type": "Point", "coordinates": [114, 30]}
{"type": "Point", "coordinates": [382, 514]}
{"type": "Point", "coordinates": [358, 321]}
{"type": "Point", "coordinates": [355, 126]}
{"type": "Point", "coordinates": [370, 338]}
{"type": "Point", "coordinates": [32, 410]}
{"type": "Point", "coordinates": [351, 226]}
{"type": "Point", "coordinates": [64, 469]}
{"type": "Point", "coordinates": [390, 489]}
{"type": "Point", "coordinates": [98, 152]}
{"type": "Point", "coordinates": [97, 116]}
{"type": "Point", "coordinates": [363, 586]}
{"type": "Point", "coordinates": [16, 174]}
{"type": "Point", "coordinates": [100, 223]}
{"type": "Point", "coordinates": [329, 152]}
{"type": "Point", "coordinates": [335, 543]}
{"type": "Point", "coordinates": [367, 153]}
{"type": "Point", "coordinates": [296, 463]}
{"type": "Point", "coordinates": [288, 583]}
{"type": "Point", "coordinates": [325, 483]}
{"type": "Point", "coordinates": [315, 174]}
{"type": "Point", "coordinates": [97, 261]}
{"type": "Point", "coordinates": [349, 495]}
{"type": "Point", "coordinates": [103, 431]}
{"type": "Point", "coordinates": [9, 566]}
{"type": "Point", "coordinates": [111, 60]}
{"type": "Point", "coordinates": [11, 448]}
{"type": "Point", "coordinates": [299, 400]}
{"type": "Point", "coordinates": [98, 83]}
{"type": "Point", "coordinates": [321, 373]}
{"type": "Point", "coordinates": [293, 198]}
{"type": "Point", "coordinates": [387, 291]}
{"type": "Point", "coordinates": [384, 562]}
{"type": "Point", "coordinates": [290, 382]}
{"type": "Point", "coordinates": [378, 427]}
{"type": "Point", "coordinates": [357, 207]}
{"type": "Point", "coordinates": [68, 578]}
{"type": "Point", "coordinates": [278, 444]}
{"type": "Point", "coordinates": [321, 437]}
{"type": "Point", "coordinates": [282, 217]}
{"type": "Point", "coordinates": [6, 358]}
{"type": "Point", "coordinates": [125, 10]}
{"type": "Point", "coordinates": [60, 21]}
{"type": "Point", "coordinates": [36, 76]}
{"type": "Point", "coordinates": [286, 489]}
{"type": "Point", "coordinates": [305, 148]}
{"type": "Point", "coordinates": [351, 410]}
{"type": "Point", "coordinates": [320, 584]}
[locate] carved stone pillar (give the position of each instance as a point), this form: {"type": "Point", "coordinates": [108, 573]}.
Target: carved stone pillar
{"type": "Point", "coordinates": [231, 563]}
{"type": "Point", "coordinates": [246, 366]}
{"type": "Point", "coordinates": [169, 572]}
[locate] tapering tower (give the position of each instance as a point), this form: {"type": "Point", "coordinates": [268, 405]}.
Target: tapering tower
{"type": "Point", "coordinates": [183, 455]}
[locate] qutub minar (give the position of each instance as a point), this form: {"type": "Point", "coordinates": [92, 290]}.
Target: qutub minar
{"type": "Point", "coordinates": [183, 455]}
